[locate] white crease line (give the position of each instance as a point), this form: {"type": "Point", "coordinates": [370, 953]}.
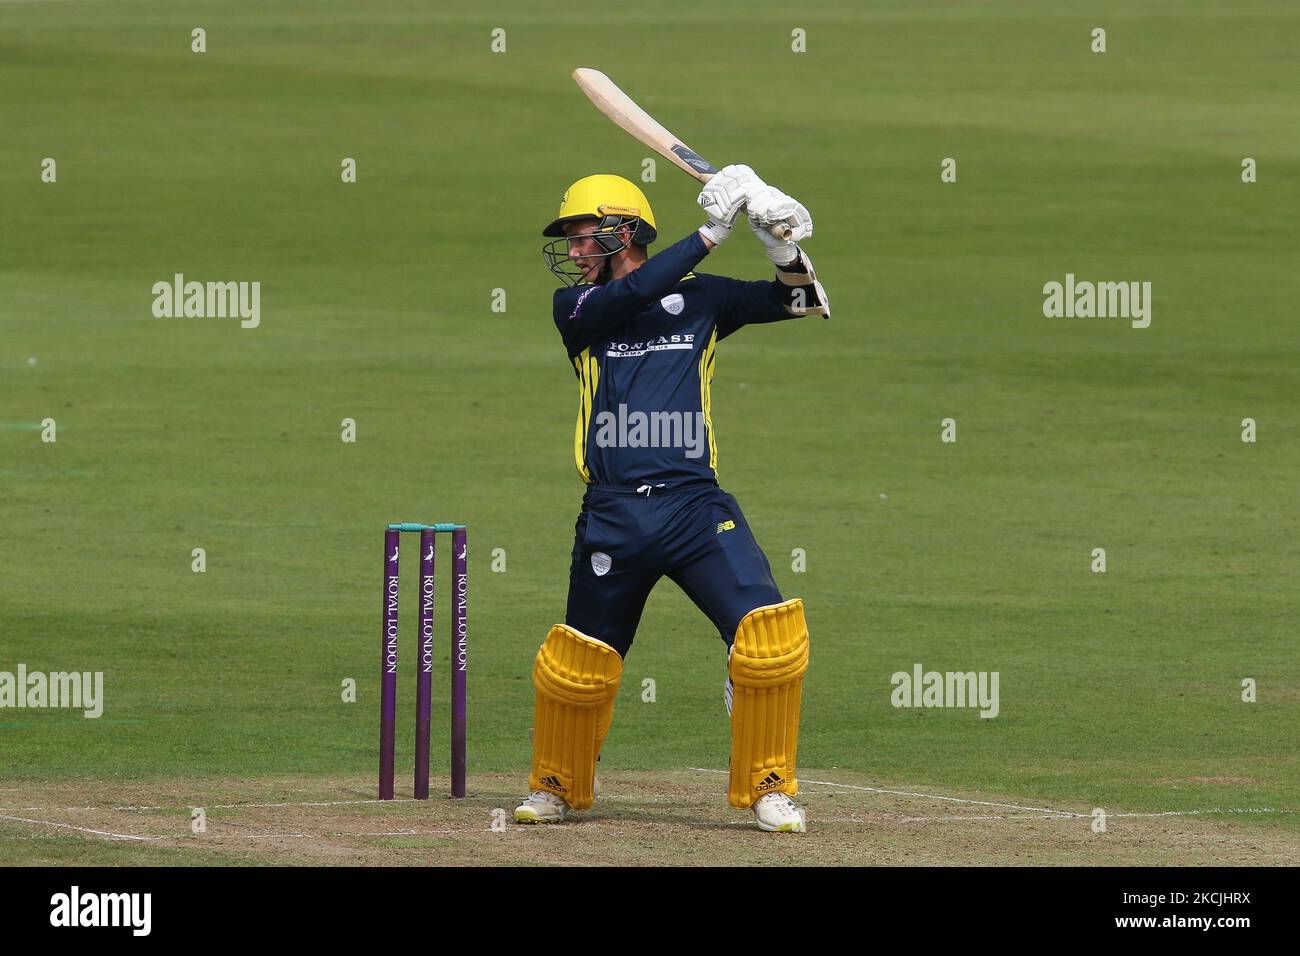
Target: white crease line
{"type": "Point", "coordinates": [935, 796]}
{"type": "Point", "coordinates": [1012, 816]}
{"type": "Point", "coordinates": [210, 806]}
{"type": "Point", "coordinates": [1191, 813]}
{"type": "Point", "coordinates": [1012, 806]}
{"type": "Point", "coordinates": [316, 803]}
{"type": "Point", "coordinates": [930, 796]}
{"type": "Point", "coordinates": [278, 836]}
{"type": "Point", "coordinates": [1109, 816]}
{"type": "Point", "coordinates": [241, 806]}
{"type": "Point", "coordinates": [69, 826]}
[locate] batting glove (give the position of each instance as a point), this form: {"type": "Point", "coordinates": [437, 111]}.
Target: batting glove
{"type": "Point", "coordinates": [724, 196]}
{"type": "Point", "coordinates": [781, 251]}
{"type": "Point", "coordinates": [716, 232]}
{"type": "Point", "coordinates": [769, 206]}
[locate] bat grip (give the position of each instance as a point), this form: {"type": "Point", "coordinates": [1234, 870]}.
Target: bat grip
{"type": "Point", "coordinates": [780, 230]}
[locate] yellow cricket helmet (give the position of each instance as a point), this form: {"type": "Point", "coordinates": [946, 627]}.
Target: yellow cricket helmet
{"type": "Point", "coordinates": [610, 199]}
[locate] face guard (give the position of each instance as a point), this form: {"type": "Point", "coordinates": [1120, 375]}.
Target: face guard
{"type": "Point", "coordinates": [556, 252]}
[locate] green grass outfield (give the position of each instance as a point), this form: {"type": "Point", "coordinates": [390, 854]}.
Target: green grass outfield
{"type": "Point", "coordinates": [1119, 690]}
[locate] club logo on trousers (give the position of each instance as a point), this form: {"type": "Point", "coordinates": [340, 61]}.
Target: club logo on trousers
{"type": "Point", "coordinates": [601, 563]}
{"type": "Point", "coordinates": [673, 304]}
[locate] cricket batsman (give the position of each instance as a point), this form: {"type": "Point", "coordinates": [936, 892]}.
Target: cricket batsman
{"type": "Point", "coordinates": [641, 334]}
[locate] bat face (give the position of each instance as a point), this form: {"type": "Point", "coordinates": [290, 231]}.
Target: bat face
{"type": "Point", "coordinates": [619, 107]}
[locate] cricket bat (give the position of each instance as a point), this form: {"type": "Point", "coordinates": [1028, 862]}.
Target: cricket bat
{"type": "Point", "coordinates": [644, 128]}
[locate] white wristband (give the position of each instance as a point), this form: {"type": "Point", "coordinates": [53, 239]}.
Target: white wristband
{"type": "Point", "coordinates": [716, 232]}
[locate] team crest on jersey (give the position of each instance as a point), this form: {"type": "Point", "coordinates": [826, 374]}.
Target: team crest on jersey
{"type": "Point", "coordinates": [601, 563]}
{"type": "Point", "coordinates": [673, 304]}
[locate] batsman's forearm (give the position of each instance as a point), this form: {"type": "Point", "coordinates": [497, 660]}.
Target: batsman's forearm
{"type": "Point", "coordinates": [602, 309]}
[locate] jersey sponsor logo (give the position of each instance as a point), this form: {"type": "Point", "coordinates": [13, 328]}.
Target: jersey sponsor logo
{"type": "Point", "coordinates": [578, 305]}
{"type": "Point", "coordinates": [601, 563]}
{"type": "Point", "coordinates": [660, 343]}
{"type": "Point", "coordinates": [725, 526]}
{"type": "Point", "coordinates": [673, 304]}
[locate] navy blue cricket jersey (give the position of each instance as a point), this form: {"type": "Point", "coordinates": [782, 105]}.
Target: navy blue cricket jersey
{"type": "Point", "coordinates": [643, 350]}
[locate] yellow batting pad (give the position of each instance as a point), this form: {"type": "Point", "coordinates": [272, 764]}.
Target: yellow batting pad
{"type": "Point", "coordinates": [576, 678]}
{"type": "Point", "coordinates": [768, 661]}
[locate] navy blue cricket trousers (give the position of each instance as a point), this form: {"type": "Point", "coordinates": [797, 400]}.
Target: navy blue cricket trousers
{"type": "Point", "coordinates": [695, 533]}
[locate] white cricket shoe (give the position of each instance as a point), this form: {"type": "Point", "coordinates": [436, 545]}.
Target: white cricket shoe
{"type": "Point", "coordinates": [777, 813]}
{"type": "Point", "coordinates": [541, 806]}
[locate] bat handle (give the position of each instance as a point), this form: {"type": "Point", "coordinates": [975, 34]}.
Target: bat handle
{"type": "Point", "coordinates": [780, 230]}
